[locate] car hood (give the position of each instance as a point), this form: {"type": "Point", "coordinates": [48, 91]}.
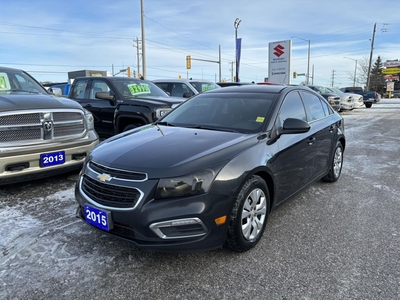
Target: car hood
{"type": "Point", "coordinates": [167, 151]}
{"type": "Point", "coordinates": [157, 100]}
{"type": "Point", "coordinates": [26, 101]}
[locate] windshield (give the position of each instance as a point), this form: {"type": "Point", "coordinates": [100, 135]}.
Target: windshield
{"type": "Point", "coordinates": [19, 81]}
{"type": "Point", "coordinates": [204, 86]}
{"type": "Point", "coordinates": [138, 88]}
{"type": "Point", "coordinates": [336, 90]}
{"type": "Point", "coordinates": [237, 112]}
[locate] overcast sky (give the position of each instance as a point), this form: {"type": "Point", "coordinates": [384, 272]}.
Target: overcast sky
{"type": "Point", "coordinates": [49, 38]}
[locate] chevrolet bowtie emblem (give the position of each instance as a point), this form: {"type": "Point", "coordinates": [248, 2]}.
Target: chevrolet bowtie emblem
{"type": "Point", "coordinates": [104, 177]}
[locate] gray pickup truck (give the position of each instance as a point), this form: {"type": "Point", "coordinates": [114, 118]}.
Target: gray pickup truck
{"type": "Point", "coordinates": [40, 134]}
{"type": "Point", "coordinates": [369, 97]}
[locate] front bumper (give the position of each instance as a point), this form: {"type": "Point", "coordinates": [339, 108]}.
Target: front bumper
{"type": "Point", "coordinates": [23, 163]}
{"type": "Point", "coordinates": [185, 224]}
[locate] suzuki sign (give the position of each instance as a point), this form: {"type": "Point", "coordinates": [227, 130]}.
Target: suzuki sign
{"type": "Point", "coordinates": [279, 55]}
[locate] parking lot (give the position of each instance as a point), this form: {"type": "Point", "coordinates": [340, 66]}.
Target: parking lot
{"type": "Point", "coordinates": [332, 241]}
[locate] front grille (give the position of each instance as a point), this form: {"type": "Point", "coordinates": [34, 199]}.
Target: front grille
{"type": "Point", "coordinates": [68, 130]}
{"type": "Point", "coordinates": [110, 195]}
{"type": "Point", "coordinates": [121, 174]}
{"type": "Point", "coordinates": [20, 119]}
{"type": "Point", "coordinates": [20, 135]}
{"type": "Point", "coordinates": [123, 231]}
{"type": "Point", "coordinates": [30, 126]}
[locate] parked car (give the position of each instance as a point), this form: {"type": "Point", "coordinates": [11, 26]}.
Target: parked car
{"type": "Point", "coordinates": [357, 99]}
{"type": "Point", "coordinates": [185, 88]}
{"type": "Point", "coordinates": [40, 134]}
{"type": "Point", "coordinates": [121, 103]}
{"type": "Point", "coordinates": [369, 97]}
{"type": "Point", "coordinates": [332, 98]}
{"type": "Point", "coordinates": [209, 173]}
{"type": "Point", "coordinates": [346, 101]}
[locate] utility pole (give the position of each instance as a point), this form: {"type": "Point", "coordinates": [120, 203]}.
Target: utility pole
{"type": "Point", "coordinates": [370, 57]}
{"type": "Point", "coordinates": [143, 40]}
{"type": "Point", "coordinates": [138, 56]}
{"type": "Point", "coordinates": [333, 78]}
{"type": "Point", "coordinates": [231, 69]}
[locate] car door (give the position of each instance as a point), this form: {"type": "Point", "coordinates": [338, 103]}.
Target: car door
{"type": "Point", "coordinates": [294, 163]}
{"type": "Point", "coordinates": [102, 110]}
{"type": "Point", "coordinates": [318, 112]}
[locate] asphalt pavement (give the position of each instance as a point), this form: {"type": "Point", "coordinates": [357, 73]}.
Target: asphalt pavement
{"type": "Point", "coordinates": [332, 241]}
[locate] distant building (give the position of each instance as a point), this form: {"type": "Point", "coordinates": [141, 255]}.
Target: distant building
{"type": "Point", "coordinates": [82, 73]}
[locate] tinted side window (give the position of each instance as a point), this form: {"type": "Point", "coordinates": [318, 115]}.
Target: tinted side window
{"type": "Point", "coordinates": [292, 107]}
{"type": "Point", "coordinates": [98, 86]}
{"type": "Point", "coordinates": [78, 91]}
{"type": "Point", "coordinates": [315, 109]}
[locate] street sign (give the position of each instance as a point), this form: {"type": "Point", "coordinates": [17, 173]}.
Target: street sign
{"type": "Point", "coordinates": [390, 71]}
{"type": "Point", "coordinates": [301, 74]}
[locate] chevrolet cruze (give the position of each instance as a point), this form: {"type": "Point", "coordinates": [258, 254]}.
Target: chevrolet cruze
{"type": "Point", "coordinates": [209, 173]}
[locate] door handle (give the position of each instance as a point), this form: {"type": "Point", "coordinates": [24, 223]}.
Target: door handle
{"type": "Point", "coordinates": [88, 105]}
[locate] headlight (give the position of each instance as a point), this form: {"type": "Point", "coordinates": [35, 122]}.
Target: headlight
{"type": "Point", "coordinates": [187, 185]}
{"type": "Point", "coordinates": [162, 112]}
{"type": "Point", "coordinates": [89, 120]}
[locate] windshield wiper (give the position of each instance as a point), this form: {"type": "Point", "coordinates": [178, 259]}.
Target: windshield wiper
{"type": "Point", "coordinates": [21, 90]}
{"type": "Point", "coordinates": [164, 123]}
{"type": "Point", "coordinates": [212, 128]}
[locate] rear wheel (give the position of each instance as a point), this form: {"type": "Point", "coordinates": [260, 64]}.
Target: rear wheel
{"type": "Point", "coordinates": [336, 164]}
{"type": "Point", "coordinates": [249, 215]}
{"type": "Point", "coordinates": [368, 105]}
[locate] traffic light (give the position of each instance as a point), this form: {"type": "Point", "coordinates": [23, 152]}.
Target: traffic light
{"type": "Point", "coordinates": [128, 71]}
{"type": "Point", "coordinates": [294, 74]}
{"type": "Point", "coordinates": [188, 62]}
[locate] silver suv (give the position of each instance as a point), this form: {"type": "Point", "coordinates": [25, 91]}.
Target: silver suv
{"type": "Point", "coordinates": [185, 88]}
{"type": "Point", "coordinates": [40, 134]}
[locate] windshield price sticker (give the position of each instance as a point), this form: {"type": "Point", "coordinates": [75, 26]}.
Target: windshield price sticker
{"type": "Point", "coordinates": [51, 159]}
{"type": "Point", "coordinates": [136, 89]}
{"type": "Point", "coordinates": [206, 88]}
{"type": "Point", "coordinates": [98, 217]}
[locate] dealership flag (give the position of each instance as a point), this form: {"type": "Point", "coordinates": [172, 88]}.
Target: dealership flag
{"type": "Point", "coordinates": [238, 50]}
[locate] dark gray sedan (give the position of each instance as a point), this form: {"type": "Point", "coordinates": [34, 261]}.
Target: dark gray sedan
{"type": "Point", "coordinates": [209, 173]}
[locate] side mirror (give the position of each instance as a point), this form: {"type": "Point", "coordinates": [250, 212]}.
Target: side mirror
{"type": "Point", "coordinates": [187, 95]}
{"type": "Point", "coordinates": [55, 91]}
{"type": "Point", "coordinates": [292, 125]}
{"type": "Point", "coordinates": [105, 96]}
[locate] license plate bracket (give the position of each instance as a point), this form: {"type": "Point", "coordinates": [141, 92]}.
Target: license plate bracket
{"type": "Point", "coordinates": [97, 217]}
{"type": "Point", "coordinates": [52, 159]}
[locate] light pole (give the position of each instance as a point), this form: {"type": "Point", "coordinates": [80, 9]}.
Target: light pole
{"type": "Point", "coordinates": [236, 25]}
{"type": "Point", "coordinates": [308, 59]}
{"type": "Point", "coordinates": [355, 70]}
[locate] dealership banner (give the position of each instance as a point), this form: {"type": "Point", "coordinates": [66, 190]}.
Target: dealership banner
{"type": "Point", "coordinates": [279, 55]}
{"type": "Point", "coordinates": [238, 51]}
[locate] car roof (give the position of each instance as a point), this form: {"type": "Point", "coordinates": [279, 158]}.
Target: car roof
{"type": "Point", "coordinates": [9, 69]}
{"type": "Point", "coordinates": [180, 80]}
{"type": "Point", "coordinates": [255, 88]}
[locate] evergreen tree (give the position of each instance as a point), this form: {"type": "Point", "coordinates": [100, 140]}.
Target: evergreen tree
{"type": "Point", "coordinates": [376, 81]}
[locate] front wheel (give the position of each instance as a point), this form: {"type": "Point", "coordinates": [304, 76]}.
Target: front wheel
{"type": "Point", "coordinates": [368, 105]}
{"type": "Point", "coordinates": [336, 164]}
{"type": "Point", "coordinates": [249, 215]}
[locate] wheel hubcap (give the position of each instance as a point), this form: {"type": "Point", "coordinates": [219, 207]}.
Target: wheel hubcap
{"type": "Point", "coordinates": [337, 162]}
{"type": "Point", "coordinates": [253, 214]}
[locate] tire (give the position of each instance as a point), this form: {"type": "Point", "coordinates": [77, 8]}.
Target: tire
{"type": "Point", "coordinates": [368, 105]}
{"type": "Point", "coordinates": [130, 126]}
{"type": "Point", "coordinates": [336, 164]}
{"type": "Point", "coordinates": [249, 215]}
